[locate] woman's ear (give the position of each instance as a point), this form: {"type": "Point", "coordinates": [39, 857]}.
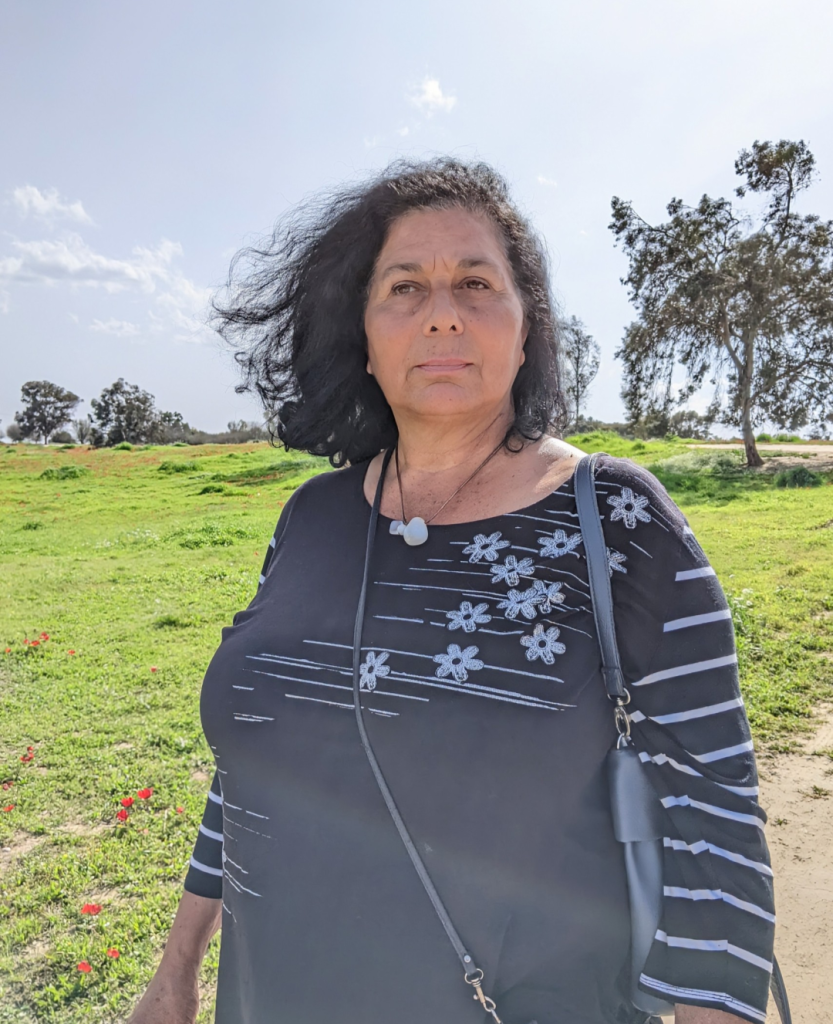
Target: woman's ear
{"type": "Point", "coordinates": [369, 368]}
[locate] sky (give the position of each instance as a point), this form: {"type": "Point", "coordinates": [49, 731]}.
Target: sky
{"type": "Point", "coordinates": [144, 144]}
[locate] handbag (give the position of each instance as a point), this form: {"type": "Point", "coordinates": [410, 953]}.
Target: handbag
{"type": "Point", "coordinates": [635, 809]}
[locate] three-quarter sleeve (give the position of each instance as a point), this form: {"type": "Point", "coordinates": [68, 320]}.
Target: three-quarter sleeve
{"type": "Point", "coordinates": [714, 944]}
{"type": "Point", "coordinates": [205, 870]}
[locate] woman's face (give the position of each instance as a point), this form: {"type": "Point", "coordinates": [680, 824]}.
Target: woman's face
{"type": "Point", "coordinates": [444, 321]}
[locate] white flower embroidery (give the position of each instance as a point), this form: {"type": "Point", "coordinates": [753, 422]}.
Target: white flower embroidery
{"type": "Point", "coordinates": [373, 666]}
{"type": "Point", "coordinates": [560, 544]}
{"type": "Point", "coordinates": [522, 602]}
{"type": "Point", "coordinates": [468, 618]}
{"type": "Point", "coordinates": [543, 645]}
{"type": "Point", "coordinates": [457, 663]}
{"type": "Point", "coordinates": [512, 570]}
{"type": "Point", "coordinates": [630, 507]}
{"type": "Point", "coordinates": [549, 594]}
{"type": "Point", "coordinates": [615, 561]}
{"type": "Point", "coordinates": [485, 547]}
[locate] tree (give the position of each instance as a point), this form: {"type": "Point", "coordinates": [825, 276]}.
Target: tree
{"type": "Point", "coordinates": [581, 364]}
{"type": "Point", "coordinates": [14, 433]}
{"type": "Point", "coordinates": [47, 408]}
{"type": "Point", "coordinates": [83, 429]}
{"type": "Point", "coordinates": [123, 412]}
{"type": "Point", "coordinates": [750, 306]}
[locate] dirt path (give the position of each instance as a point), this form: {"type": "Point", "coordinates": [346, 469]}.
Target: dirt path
{"type": "Point", "coordinates": [797, 793]}
{"type": "Point", "coordinates": [818, 457]}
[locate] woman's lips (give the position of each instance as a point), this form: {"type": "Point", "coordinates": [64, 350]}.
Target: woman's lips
{"type": "Point", "coordinates": [443, 364]}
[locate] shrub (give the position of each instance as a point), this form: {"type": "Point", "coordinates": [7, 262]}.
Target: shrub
{"type": "Point", "coordinates": [210, 534]}
{"type": "Point", "coordinates": [212, 489]}
{"type": "Point", "coordinates": [188, 466]}
{"type": "Point", "coordinates": [123, 446]}
{"type": "Point", "coordinates": [64, 473]}
{"type": "Point", "coordinates": [764, 437]}
{"type": "Point", "coordinates": [798, 476]}
{"type": "Point", "coordinates": [788, 437]}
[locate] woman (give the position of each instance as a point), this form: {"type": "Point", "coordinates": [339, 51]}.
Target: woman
{"type": "Point", "coordinates": [414, 313]}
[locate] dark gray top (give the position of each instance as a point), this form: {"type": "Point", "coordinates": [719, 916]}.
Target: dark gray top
{"type": "Point", "coordinates": [487, 712]}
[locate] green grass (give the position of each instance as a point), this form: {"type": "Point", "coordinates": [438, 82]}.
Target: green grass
{"type": "Point", "coordinates": [135, 567]}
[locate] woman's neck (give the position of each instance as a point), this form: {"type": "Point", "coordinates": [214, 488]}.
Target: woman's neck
{"type": "Point", "coordinates": [438, 448]}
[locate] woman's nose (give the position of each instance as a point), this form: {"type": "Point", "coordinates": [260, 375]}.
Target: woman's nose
{"type": "Point", "coordinates": [442, 317]}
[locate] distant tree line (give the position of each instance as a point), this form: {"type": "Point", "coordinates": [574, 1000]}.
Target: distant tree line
{"type": "Point", "coordinates": [122, 413]}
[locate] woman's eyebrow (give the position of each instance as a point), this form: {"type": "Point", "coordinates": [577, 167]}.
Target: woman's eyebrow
{"type": "Point", "coordinates": [467, 263]}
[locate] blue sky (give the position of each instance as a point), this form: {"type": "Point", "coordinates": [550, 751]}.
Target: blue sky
{"type": "Point", "coordinates": [143, 144]}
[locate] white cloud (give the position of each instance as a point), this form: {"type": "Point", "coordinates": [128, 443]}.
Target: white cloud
{"type": "Point", "coordinates": [431, 98]}
{"type": "Point", "coordinates": [48, 205]}
{"type": "Point", "coordinates": [183, 307]}
{"type": "Point", "coordinates": [71, 260]}
{"type": "Point", "coordinates": [119, 328]}
{"type": "Point", "coordinates": [403, 131]}
{"type": "Point", "coordinates": [547, 181]}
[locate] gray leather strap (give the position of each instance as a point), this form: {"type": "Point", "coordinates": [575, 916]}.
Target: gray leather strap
{"type": "Point", "coordinates": [459, 948]}
{"type": "Point", "coordinates": [595, 551]}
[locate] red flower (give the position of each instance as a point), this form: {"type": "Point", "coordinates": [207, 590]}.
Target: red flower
{"type": "Point", "coordinates": [70, 652]}
{"type": "Point", "coordinates": [10, 807]}
{"type": "Point", "coordinates": [91, 908]}
{"type": "Point", "coordinates": [127, 801]}
{"type": "Point", "coordinates": [25, 642]}
{"type": "Point", "coordinates": [144, 794]}
{"type": "Point", "coordinates": [35, 643]}
{"type": "Point", "coordinates": [114, 954]}
{"type": "Point", "coordinates": [153, 668]}
{"type": "Point", "coordinates": [85, 967]}
{"type": "Point", "coordinates": [27, 757]}
{"type": "Point", "coordinates": [29, 750]}
{"type": "Point", "coordinates": [122, 815]}
{"type": "Point", "coordinates": [8, 650]}
{"type": "Point", "coordinates": [44, 636]}
{"type": "Point", "coordinates": [179, 810]}
{"type": "Point", "coordinates": [7, 785]}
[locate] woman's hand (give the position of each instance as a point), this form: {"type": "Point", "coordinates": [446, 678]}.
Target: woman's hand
{"type": "Point", "coordinates": [172, 997]}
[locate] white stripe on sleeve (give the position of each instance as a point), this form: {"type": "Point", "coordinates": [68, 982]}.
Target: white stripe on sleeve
{"type": "Point", "coordinates": [696, 620]}
{"type": "Point", "coordinates": [211, 835]}
{"type": "Point", "coordinates": [212, 796]}
{"type": "Point", "coordinates": [204, 867]}
{"type": "Point", "coordinates": [718, 894]}
{"type": "Point", "coordinates": [701, 846]}
{"type": "Point", "coordinates": [694, 574]}
{"type": "Point", "coordinates": [687, 670]}
{"type": "Point", "coordinates": [719, 755]}
{"type": "Point", "coordinates": [701, 993]}
{"type": "Point", "coordinates": [714, 946]}
{"type": "Point", "coordinates": [686, 716]}
{"type": "Point", "coordinates": [719, 812]}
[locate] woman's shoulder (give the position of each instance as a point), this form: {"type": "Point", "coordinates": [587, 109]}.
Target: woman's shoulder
{"type": "Point", "coordinates": [629, 495]}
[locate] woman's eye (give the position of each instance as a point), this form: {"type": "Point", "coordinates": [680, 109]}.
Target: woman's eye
{"type": "Point", "coordinates": [475, 285]}
{"type": "Point", "coordinates": [403, 288]}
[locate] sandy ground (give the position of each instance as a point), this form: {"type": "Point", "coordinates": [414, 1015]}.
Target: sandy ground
{"type": "Point", "coordinates": [820, 455]}
{"type": "Point", "coordinates": [797, 793]}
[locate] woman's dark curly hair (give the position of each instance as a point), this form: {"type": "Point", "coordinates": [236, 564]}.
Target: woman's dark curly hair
{"type": "Point", "coordinates": [294, 309]}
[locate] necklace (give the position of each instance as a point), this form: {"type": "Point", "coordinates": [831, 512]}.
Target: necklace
{"type": "Point", "coordinates": [415, 531]}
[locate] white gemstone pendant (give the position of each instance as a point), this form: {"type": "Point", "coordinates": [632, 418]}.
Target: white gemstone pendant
{"type": "Point", "coordinates": [415, 532]}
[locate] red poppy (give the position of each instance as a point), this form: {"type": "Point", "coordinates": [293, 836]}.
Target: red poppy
{"type": "Point", "coordinates": [91, 908]}
{"type": "Point", "coordinates": [10, 807]}
{"type": "Point", "coordinates": [127, 801]}
{"type": "Point", "coordinates": [35, 643]}
{"type": "Point", "coordinates": [122, 815]}
{"type": "Point", "coordinates": [8, 650]}
{"type": "Point", "coordinates": [144, 794]}
{"type": "Point", "coordinates": [44, 636]}
{"type": "Point", "coordinates": [114, 954]}
{"type": "Point", "coordinates": [27, 757]}
{"type": "Point", "coordinates": [153, 668]}
{"type": "Point", "coordinates": [179, 810]}
{"type": "Point", "coordinates": [25, 642]}
{"type": "Point", "coordinates": [29, 750]}
{"type": "Point", "coordinates": [70, 652]}
{"type": "Point", "coordinates": [85, 967]}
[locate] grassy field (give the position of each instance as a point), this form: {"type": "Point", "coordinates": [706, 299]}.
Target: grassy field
{"type": "Point", "coordinates": [119, 569]}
